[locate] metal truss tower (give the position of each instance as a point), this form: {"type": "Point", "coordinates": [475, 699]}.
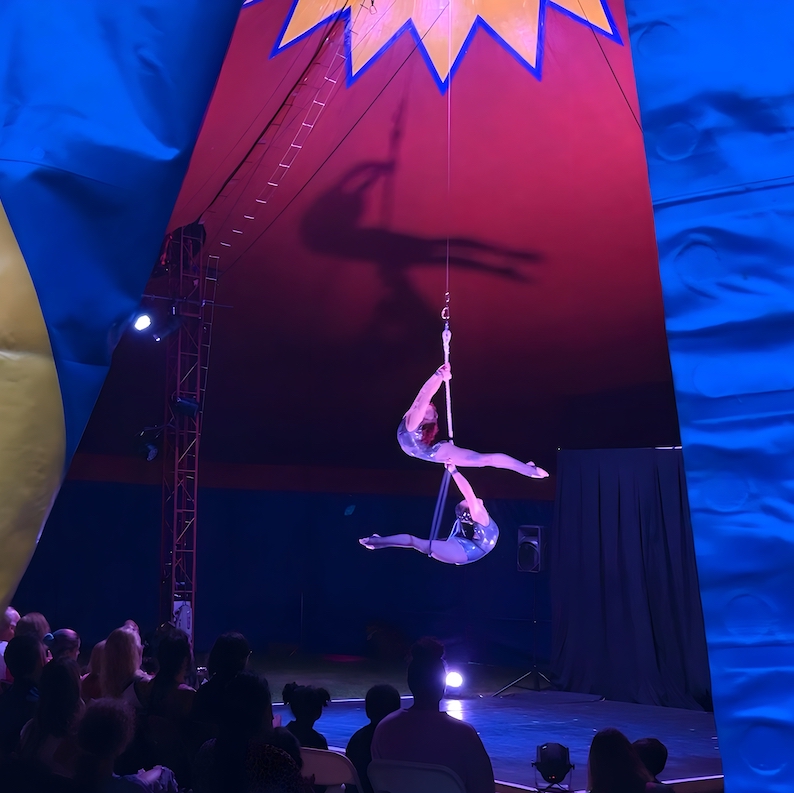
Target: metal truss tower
{"type": "Point", "coordinates": [192, 278]}
{"type": "Point", "coordinates": [191, 292]}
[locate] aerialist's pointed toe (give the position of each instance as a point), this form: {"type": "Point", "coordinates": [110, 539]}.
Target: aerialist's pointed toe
{"type": "Point", "coordinates": [539, 473]}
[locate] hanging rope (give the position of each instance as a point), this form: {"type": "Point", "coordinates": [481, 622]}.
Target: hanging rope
{"type": "Point", "coordinates": [446, 335]}
{"type": "Point", "coordinates": [439, 510]}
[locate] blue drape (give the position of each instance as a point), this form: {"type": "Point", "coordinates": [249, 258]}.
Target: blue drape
{"type": "Point", "coordinates": [716, 92]}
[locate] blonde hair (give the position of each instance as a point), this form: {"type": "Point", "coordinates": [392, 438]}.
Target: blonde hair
{"type": "Point", "coordinates": [121, 661]}
{"type": "Point", "coordinates": [95, 662]}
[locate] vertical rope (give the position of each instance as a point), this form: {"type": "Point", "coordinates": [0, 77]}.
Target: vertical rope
{"type": "Point", "coordinates": [446, 336]}
{"type": "Point", "coordinates": [439, 510]}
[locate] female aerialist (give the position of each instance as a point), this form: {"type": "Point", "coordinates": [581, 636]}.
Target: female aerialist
{"type": "Point", "coordinates": [473, 534]}
{"type": "Point", "coordinates": [418, 430]}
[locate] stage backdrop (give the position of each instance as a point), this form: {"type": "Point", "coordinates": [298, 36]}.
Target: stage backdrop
{"type": "Point", "coordinates": [286, 568]}
{"type": "Point", "coordinates": [627, 620]}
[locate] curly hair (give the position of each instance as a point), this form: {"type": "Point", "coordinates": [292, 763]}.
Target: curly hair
{"type": "Point", "coordinates": [305, 702]}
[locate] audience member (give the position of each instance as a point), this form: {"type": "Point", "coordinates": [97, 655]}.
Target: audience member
{"type": "Point", "coordinates": [151, 643]}
{"type": "Point", "coordinates": [167, 695]}
{"type": "Point", "coordinates": [25, 656]}
{"type": "Point", "coordinates": [90, 685]}
{"type": "Point", "coordinates": [49, 737]}
{"type": "Point", "coordinates": [380, 702]}
{"type": "Point", "coordinates": [33, 624]}
{"type": "Point", "coordinates": [653, 754]}
{"type": "Point", "coordinates": [306, 704]}
{"type": "Point", "coordinates": [105, 731]}
{"type": "Point", "coordinates": [64, 643]}
{"type": "Point", "coordinates": [56, 736]}
{"type": "Point", "coordinates": [162, 735]}
{"type": "Point", "coordinates": [8, 624]}
{"type": "Point", "coordinates": [229, 655]}
{"type": "Point", "coordinates": [613, 766]}
{"type": "Point", "coordinates": [120, 676]}
{"type": "Point", "coordinates": [422, 734]}
{"type": "Point", "coordinates": [246, 718]}
{"type": "Point", "coordinates": [269, 769]}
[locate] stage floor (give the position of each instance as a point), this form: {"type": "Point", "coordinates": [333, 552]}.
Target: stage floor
{"type": "Point", "coordinates": [512, 725]}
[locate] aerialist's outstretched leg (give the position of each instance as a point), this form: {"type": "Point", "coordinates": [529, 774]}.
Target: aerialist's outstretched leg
{"type": "Point", "coordinates": [442, 550]}
{"type": "Point", "coordinates": [466, 458]}
{"type": "Point", "coordinates": [419, 428]}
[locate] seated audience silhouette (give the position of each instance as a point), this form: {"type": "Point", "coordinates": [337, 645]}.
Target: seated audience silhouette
{"type": "Point", "coordinates": [90, 686]}
{"type": "Point", "coordinates": [163, 728]}
{"type": "Point", "coordinates": [271, 770]}
{"type": "Point", "coordinates": [33, 624]}
{"type": "Point", "coordinates": [306, 704]}
{"type": "Point", "coordinates": [167, 695]}
{"type": "Point", "coordinates": [49, 738]}
{"type": "Point", "coordinates": [25, 657]}
{"type": "Point", "coordinates": [105, 731]}
{"type": "Point", "coordinates": [64, 643]}
{"type": "Point", "coordinates": [422, 734]}
{"type": "Point", "coordinates": [613, 766]}
{"type": "Point", "coordinates": [8, 623]}
{"type": "Point", "coordinates": [381, 700]}
{"type": "Point", "coordinates": [653, 754]}
{"type": "Point", "coordinates": [228, 656]}
{"type": "Point", "coordinates": [120, 676]}
{"type": "Point", "coordinates": [246, 718]}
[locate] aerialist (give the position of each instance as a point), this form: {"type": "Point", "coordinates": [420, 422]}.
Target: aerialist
{"type": "Point", "coordinates": [419, 427]}
{"type": "Point", "coordinates": [473, 534]}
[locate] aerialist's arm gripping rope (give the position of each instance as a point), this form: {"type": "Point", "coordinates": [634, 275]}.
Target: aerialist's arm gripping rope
{"type": "Point", "coordinates": [478, 512]}
{"type": "Point", "coordinates": [415, 416]}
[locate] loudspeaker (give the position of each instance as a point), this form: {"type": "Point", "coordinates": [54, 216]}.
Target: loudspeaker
{"type": "Point", "coordinates": [530, 549]}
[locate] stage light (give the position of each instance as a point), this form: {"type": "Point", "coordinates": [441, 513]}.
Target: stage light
{"type": "Point", "coordinates": [142, 321]}
{"type": "Point", "coordinates": [186, 406]}
{"type": "Point", "coordinates": [553, 762]}
{"type": "Point", "coordinates": [171, 326]}
{"type": "Point", "coordinates": [150, 440]}
{"type": "Point", "coordinates": [454, 680]}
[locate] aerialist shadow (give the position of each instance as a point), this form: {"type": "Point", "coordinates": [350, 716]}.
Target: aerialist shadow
{"type": "Point", "coordinates": [333, 225]}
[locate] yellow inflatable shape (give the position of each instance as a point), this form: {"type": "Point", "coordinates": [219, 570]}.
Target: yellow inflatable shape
{"type": "Point", "coordinates": [32, 431]}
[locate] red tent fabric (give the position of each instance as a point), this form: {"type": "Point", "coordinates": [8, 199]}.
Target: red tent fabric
{"type": "Point", "coordinates": [335, 286]}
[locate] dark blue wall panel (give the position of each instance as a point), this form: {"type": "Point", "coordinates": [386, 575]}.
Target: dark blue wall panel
{"type": "Point", "coordinates": [287, 568]}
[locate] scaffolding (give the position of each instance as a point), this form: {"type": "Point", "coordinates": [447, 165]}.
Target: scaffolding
{"type": "Point", "coordinates": [193, 266]}
{"type": "Point", "coordinates": [191, 293]}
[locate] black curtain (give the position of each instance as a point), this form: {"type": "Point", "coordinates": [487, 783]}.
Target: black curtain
{"type": "Point", "coordinates": [626, 613]}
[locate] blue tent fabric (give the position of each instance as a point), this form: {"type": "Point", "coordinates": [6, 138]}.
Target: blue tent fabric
{"type": "Point", "coordinates": [100, 106]}
{"type": "Point", "coordinates": [717, 98]}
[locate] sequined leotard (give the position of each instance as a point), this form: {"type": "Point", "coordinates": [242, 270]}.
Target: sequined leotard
{"type": "Point", "coordinates": [411, 443]}
{"type": "Point", "coordinates": [482, 542]}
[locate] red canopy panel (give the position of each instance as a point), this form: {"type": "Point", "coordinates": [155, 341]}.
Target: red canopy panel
{"type": "Point", "coordinates": [336, 285]}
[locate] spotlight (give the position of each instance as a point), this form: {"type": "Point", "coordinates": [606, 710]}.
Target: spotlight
{"type": "Point", "coordinates": [172, 326]}
{"type": "Point", "coordinates": [149, 441]}
{"type": "Point", "coordinates": [553, 762]}
{"type": "Point", "coordinates": [454, 680]}
{"type": "Point", "coordinates": [142, 321]}
{"type": "Point", "coordinates": [186, 406]}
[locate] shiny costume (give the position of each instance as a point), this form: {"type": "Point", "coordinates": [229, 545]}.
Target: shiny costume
{"type": "Point", "coordinates": [482, 542]}
{"type": "Point", "coordinates": [412, 444]}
